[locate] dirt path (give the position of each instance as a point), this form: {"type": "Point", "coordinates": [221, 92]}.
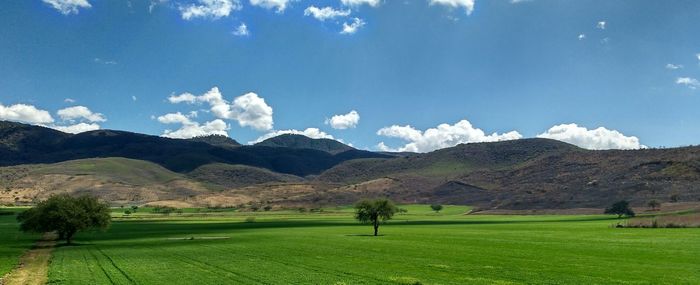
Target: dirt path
{"type": "Point", "coordinates": [33, 266]}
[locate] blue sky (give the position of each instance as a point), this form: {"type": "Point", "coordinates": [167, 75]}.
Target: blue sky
{"type": "Point", "coordinates": [419, 74]}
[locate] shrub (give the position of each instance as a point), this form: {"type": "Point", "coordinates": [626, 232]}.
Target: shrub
{"type": "Point", "coordinates": [620, 208]}
{"type": "Point", "coordinates": [436, 207]}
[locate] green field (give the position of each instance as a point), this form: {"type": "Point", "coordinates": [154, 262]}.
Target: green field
{"type": "Point", "coordinates": [12, 242]}
{"type": "Point", "coordinates": [330, 248]}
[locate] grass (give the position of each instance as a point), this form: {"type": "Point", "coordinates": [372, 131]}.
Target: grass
{"type": "Point", "coordinates": [418, 247]}
{"type": "Point", "coordinates": [12, 242]}
{"type": "Point", "coordinates": [131, 171]}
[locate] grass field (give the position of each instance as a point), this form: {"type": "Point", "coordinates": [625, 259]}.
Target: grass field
{"type": "Point", "coordinates": [12, 242]}
{"type": "Point", "coordinates": [418, 247]}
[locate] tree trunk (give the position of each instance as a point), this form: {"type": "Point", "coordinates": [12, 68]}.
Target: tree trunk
{"type": "Point", "coordinates": [69, 237]}
{"type": "Point", "coordinates": [376, 228]}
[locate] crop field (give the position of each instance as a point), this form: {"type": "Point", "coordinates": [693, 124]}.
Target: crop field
{"type": "Point", "coordinates": [418, 247]}
{"type": "Point", "coordinates": [12, 242]}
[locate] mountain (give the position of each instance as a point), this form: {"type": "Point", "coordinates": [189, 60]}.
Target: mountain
{"type": "Point", "coordinates": [25, 144]}
{"type": "Point", "coordinates": [304, 142]}
{"type": "Point", "coordinates": [529, 173]}
{"type": "Point", "coordinates": [216, 140]}
{"type": "Point", "coordinates": [125, 167]}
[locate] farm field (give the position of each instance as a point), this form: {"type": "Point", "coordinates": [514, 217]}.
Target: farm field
{"type": "Point", "coordinates": [417, 247]}
{"type": "Point", "coordinates": [12, 242]}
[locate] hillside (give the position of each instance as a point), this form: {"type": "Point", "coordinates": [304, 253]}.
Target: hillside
{"type": "Point", "coordinates": [303, 142]}
{"type": "Point", "coordinates": [529, 173]}
{"type": "Point", "coordinates": [25, 144]}
{"type": "Point", "coordinates": [293, 170]}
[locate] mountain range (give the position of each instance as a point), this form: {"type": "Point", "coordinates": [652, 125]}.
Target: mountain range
{"type": "Point", "coordinates": [292, 170]}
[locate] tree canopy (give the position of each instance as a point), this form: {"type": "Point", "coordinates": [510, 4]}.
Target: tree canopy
{"type": "Point", "coordinates": [374, 212]}
{"type": "Point", "coordinates": [436, 207]}
{"type": "Point", "coordinates": [65, 215]}
{"type": "Point", "coordinates": [620, 208]}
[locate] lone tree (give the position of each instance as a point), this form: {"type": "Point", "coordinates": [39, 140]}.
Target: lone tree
{"type": "Point", "coordinates": [374, 212]}
{"type": "Point", "coordinates": [65, 215]}
{"type": "Point", "coordinates": [621, 208]}
{"type": "Point", "coordinates": [654, 204]}
{"type": "Point", "coordinates": [436, 207]}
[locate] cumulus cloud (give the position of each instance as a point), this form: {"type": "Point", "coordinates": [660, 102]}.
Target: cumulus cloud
{"type": "Point", "coordinates": [346, 121]}
{"type": "Point", "coordinates": [691, 83]}
{"type": "Point", "coordinates": [673, 66]}
{"type": "Point", "coordinates": [353, 26]}
{"type": "Point", "coordinates": [69, 100]}
{"type": "Point", "coordinates": [581, 37]}
{"type": "Point", "coordinates": [249, 110]}
{"type": "Point", "coordinates": [442, 136]}
{"type": "Point", "coordinates": [77, 128]}
{"type": "Point", "coordinates": [67, 7]}
{"type": "Point", "coordinates": [25, 113]}
{"type": "Point", "coordinates": [468, 5]}
{"type": "Point", "coordinates": [597, 139]}
{"type": "Point", "coordinates": [325, 13]}
{"type": "Point", "coordinates": [241, 30]}
{"type": "Point", "coordinates": [355, 3]}
{"type": "Point", "coordinates": [80, 113]}
{"type": "Point", "coordinates": [189, 128]}
{"type": "Point", "coordinates": [601, 25]}
{"type": "Point", "coordinates": [313, 133]}
{"type": "Point", "coordinates": [279, 5]}
{"type": "Point", "coordinates": [213, 9]}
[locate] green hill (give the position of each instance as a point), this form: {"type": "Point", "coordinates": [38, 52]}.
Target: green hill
{"type": "Point", "coordinates": [304, 142]}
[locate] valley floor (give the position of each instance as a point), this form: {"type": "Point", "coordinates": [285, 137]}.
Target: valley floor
{"type": "Point", "coordinates": [419, 247]}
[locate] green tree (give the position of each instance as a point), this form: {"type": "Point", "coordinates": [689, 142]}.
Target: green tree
{"type": "Point", "coordinates": [436, 207]}
{"type": "Point", "coordinates": [654, 204]}
{"type": "Point", "coordinates": [620, 208]}
{"type": "Point", "coordinates": [374, 212]}
{"type": "Point", "coordinates": [65, 215]}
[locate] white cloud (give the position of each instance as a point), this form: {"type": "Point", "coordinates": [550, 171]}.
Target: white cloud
{"type": "Point", "coordinates": [442, 136]}
{"type": "Point", "coordinates": [582, 36]}
{"type": "Point", "coordinates": [69, 100]}
{"type": "Point", "coordinates": [468, 5]}
{"type": "Point", "coordinates": [249, 109]}
{"type": "Point", "coordinates": [325, 13]}
{"type": "Point", "coordinates": [698, 56]}
{"type": "Point", "coordinates": [691, 83]}
{"type": "Point", "coordinates": [77, 128]}
{"type": "Point", "coordinates": [105, 62]}
{"type": "Point", "coordinates": [280, 5]}
{"type": "Point", "coordinates": [80, 112]}
{"type": "Point", "coordinates": [355, 3]}
{"type": "Point", "coordinates": [601, 25]}
{"type": "Point", "coordinates": [67, 7]}
{"type": "Point", "coordinates": [313, 133]}
{"type": "Point", "coordinates": [346, 121]}
{"type": "Point", "coordinates": [241, 30]}
{"type": "Point", "coordinates": [597, 139]}
{"type": "Point", "coordinates": [190, 129]}
{"type": "Point", "coordinates": [25, 113]}
{"type": "Point", "coordinates": [673, 66]}
{"type": "Point", "coordinates": [133, 98]}
{"type": "Point", "coordinates": [213, 9]}
{"type": "Point", "coordinates": [353, 26]}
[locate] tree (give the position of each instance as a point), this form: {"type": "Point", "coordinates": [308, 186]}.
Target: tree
{"type": "Point", "coordinates": [620, 208]}
{"type": "Point", "coordinates": [654, 204]}
{"type": "Point", "coordinates": [374, 212]}
{"type": "Point", "coordinates": [65, 215]}
{"type": "Point", "coordinates": [436, 207]}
